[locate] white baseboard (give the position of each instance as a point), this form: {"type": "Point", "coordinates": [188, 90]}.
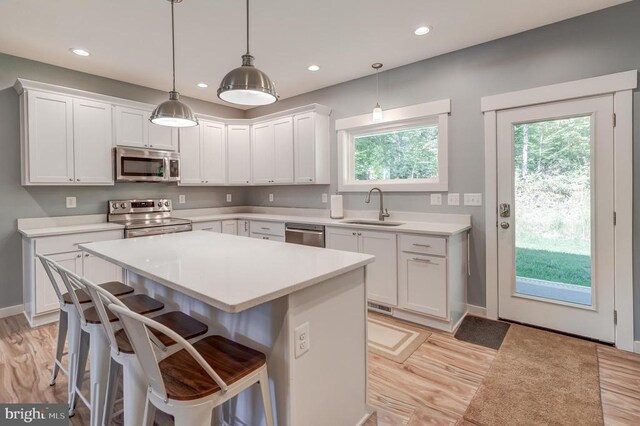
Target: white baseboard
{"type": "Point", "coordinates": [478, 311]}
{"type": "Point", "coordinates": [636, 346]}
{"type": "Point", "coordinates": [10, 311]}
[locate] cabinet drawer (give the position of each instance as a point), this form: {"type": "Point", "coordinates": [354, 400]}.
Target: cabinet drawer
{"type": "Point", "coordinates": [267, 237]}
{"type": "Point", "coordinates": [268, 228]}
{"type": "Point", "coordinates": [208, 226]}
{"type": "Point", "coordinates": [69, 243]}
{"type": "Point", "coordinates": [423, 244]}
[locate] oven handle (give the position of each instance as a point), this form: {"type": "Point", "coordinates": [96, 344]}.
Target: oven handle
{"type": "Point", "coordinates": [157, 231]}
{"type": "Point", "coordinates": [304, 231]}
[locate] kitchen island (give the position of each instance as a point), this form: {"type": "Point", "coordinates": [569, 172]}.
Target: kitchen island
{"type": "Point", "coordinates": [258, 293]}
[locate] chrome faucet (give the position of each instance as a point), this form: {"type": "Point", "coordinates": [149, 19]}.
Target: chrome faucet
{"type": "Point", "coordinates": [383, 212]}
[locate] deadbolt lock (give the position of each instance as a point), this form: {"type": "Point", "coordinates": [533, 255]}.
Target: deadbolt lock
{"type": "Point", "coordinates": [505, 210]}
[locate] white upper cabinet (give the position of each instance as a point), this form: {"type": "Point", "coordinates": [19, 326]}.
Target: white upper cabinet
{"type": "Point", "coordinates": [50, 138]}
{"type": "Point", "coordinates": [203, 154]}
{"type": "Point", "coordinates": [93, 141]}
{"type": "Point", "coordinates": [134, 129]}
{"type": "Point", "coordinates": [311, 147]}
{"type": "Point", "coordinates": [273, 152]}
{"type": "Point", "coordinates": [238, 155]}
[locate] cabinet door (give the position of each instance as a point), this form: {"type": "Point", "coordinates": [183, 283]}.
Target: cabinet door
{"type": "Point", "coordinates": [230, 227]}
{"type": "Point", "coordinates": [382, 274]}
{"type": "Point", "coordinates": [341, 239]}
{"type": "Point", "coordinates": [208, 226]}
{"type": "Point", "coordinates": [243, 228]}
{"type": "Point", "coordinates": [50, 138]}
{"type": "Point", "coordinates": [46, 299]}
{"type": "Point", "coordinates": [283, 150]}
{"type": "Point", "coordinates": [93, 142]}
{"type": "Point", "coordinates": [132, 127]}
{"type": "Point", "coordinates": [423, 284]}
{"type": "Point", "coordinates": [238, 155]}
{"type": "Point", "coordinates": [263, 153]}
{"type": "Point", "coordinates": [163, 137]}
{"type": "Point", "coordinates": [99, 271]}
{"type": "Point", "coordinates": [190, 163]}
{"type": "Point", "coordinates": [213, 152]}
{"type": "Point", "coordinates": [305, 148]}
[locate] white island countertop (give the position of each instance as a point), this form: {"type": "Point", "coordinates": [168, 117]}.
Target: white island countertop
{"type": "Point", "coordinates": [225, 271]}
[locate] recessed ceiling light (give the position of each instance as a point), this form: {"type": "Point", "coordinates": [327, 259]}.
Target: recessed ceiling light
{"type": "Point", "coordinates": [202, 85]}
{"type": "Point", "coordinates": [79, 52]}
{"type": "Point", "coordinates": [313, 67]}
{"type": "Point", "coordinates": [422, 31]}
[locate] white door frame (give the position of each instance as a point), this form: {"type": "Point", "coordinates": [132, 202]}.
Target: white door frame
{"type": "Point", "coordinates": [621, 86]}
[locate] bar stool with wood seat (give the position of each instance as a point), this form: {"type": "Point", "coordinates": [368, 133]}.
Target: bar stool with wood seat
{"type": "Point", "coordinates": [198, 378]}
{"type": "Point", "coordinates": [123, 359]}
{"type": "Point", "coordinates": [93, 344]}
{"type": "Point", "coordinates": [69, 327]}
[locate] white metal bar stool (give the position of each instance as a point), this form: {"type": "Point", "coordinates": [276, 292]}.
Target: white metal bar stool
{"type": "Point", "coordinates": [125, 362]}
{"type": "Point", "coordinates": [68, 325]}
{"type": "Point", "coordinates": [93, 344]}
{"type": "Point", "coordinates": [188, 390]}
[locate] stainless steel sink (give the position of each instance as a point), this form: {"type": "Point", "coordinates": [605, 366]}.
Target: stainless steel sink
{"type": "Point", "coordinates": [371, 222]}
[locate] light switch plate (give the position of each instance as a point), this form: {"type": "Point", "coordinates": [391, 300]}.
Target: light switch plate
{"type": "Point", "coordinates": [436, 199]}
{"type": "Point", "coordinates": [270, 197]}
{"type": "Point", "coordinates": [302, 339]}
{"type": "Point", "coordinates": [229, 198]}
{"type": "Point", "coordinates": [182, 199]}
{"type": "Point", "coordinates": [71, 202]}
{"type": "Point", "coordinates": [473, 199]}
{"type": "Point", "coordinates": [453, 199]}
{"type": "Point", "coordinates": [324, 198]}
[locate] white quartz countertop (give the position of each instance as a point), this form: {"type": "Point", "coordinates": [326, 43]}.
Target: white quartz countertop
{"type": "Point", "coordinates": [49, 231]}
{"type": "Point", "coordinates": [226, 271]}
{"type": "Point", "coordinates": [433, 228]}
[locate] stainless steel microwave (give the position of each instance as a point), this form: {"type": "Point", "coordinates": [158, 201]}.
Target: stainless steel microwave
{"type": "Point", "coordinates": [146, 165]}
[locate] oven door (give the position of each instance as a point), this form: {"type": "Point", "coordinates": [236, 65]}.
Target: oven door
{"type": "Point", "coordinates": [141, 165]}
{"type": "Point", "coordinates": [156, 230]}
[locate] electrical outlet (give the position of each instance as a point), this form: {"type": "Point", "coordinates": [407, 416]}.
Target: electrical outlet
{"type": "Point", "coordinates": [453, 199]}
{"type": "Point", "coordinates": [270, 197]}
{"type": "Point", "coordinates": [436, 199]}
{"type": "Point", "coordinates": [302, 339]}
{"type": "Point", "coordinates": [228, 198]}
{"type": "Point", "coordinates": [182, 199]}
{"type": "Point", "coordinates": [474, 199]}
{"type": "Point", "coordinates": [71, 202]}
{"type": "Point", "coordinates": [324, 198]}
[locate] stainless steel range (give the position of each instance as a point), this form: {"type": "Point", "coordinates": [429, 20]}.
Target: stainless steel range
{"type": "Point", "coordinates": [146, 217]}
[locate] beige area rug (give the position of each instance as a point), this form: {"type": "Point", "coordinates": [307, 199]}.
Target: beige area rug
{"type": "Point", "coordinates": [539, 378]}
{"type": "Point", "coordinates": [393, 341]}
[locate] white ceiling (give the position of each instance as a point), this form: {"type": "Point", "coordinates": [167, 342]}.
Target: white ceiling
{"type": "Point", "coordinates": [129, 40]}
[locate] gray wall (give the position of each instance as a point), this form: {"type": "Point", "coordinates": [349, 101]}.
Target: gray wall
{"type": "Point", "coordinates": [20, 202]}
{"type": "Point", "coordinates": [599, 43]}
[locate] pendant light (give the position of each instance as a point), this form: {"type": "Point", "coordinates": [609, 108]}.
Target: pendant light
{"type": "Point", "coordinates": [173, 113]}
{"type": "Point", "coordinates": [247, 85]}
{"type": "Point", "coordinates": [377, 110]}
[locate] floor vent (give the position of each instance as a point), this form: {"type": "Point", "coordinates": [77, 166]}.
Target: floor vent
{"type": "Point", "coordinates": [379, 308]}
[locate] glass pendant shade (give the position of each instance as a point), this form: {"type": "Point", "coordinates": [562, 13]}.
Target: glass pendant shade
{"type": "Point", "coordinates": [247, 85]}
{"type": "Point", "coordinates": [173, 113]}
{"type": "Point", "coordinates": [377, 113]}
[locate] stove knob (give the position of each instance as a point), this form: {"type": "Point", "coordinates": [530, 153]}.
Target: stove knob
{"type": "Point", "coordinates": [159, 203]}
{"type": "Point", "coordinates": [166, 204]}
{"type": "Point", "coordinates": [114, 206]}
{"type": "Point", "coordinates": [123, 205]}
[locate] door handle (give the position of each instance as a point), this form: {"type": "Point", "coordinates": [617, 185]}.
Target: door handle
{"type": "Point", "coordinates": [504, 225]}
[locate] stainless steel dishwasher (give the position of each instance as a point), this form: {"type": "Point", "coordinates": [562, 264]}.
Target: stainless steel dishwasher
{"type": "Point", "coordinates": [304, 234]}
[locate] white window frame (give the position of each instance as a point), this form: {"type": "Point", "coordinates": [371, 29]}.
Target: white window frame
{"type": "Point", "coordinates": [408, 117]}
{"type": "Point", "coordinates": [621, 85]}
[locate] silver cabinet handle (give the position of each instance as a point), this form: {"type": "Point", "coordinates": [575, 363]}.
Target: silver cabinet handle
{"type": "Point", "coordinates": [418, 259]}
{"type": "Point", "coordinates": [353, 233]}
{"type": "Point", "coordinates": [70, 179]}
{"type": "Point", "coordinates": [266, 229]}
{"type": "Point", "coordinates": [86, 255]}
{"type": "Point", "coordinates": [79, 256]}
{"type": "Point", "coordinates": [421, 245]}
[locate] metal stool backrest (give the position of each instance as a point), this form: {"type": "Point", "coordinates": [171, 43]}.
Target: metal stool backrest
{"type": "Point", "coordinates": [50, 266]}
{"type": "Point", "coordinates": [137, 328]}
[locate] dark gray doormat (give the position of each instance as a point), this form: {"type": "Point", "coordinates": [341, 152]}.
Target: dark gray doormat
{"type": "Point", "coordinates": [483, 332]}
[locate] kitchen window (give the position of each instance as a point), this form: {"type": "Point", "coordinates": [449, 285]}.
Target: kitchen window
{"type": "Point", "coordinates": [405, 152]}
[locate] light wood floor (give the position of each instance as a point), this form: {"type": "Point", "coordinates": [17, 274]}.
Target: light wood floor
{"type": "Point", "coordinates": [433, 387]}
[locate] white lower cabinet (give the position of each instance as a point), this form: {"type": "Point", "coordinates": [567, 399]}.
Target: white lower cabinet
{"type": "Point", "coordinates": [273, 231]}
{"type": "Point", "coordinates": [230, 227]}
{"type": "Point", "coordinates": [382, 280]}
{"type": "Point", "coordinates": [243, 228]}
{"type": "Point", "coordinates": [46, 299]}
{"type": "Point", "coordinates": [422, 284]}
{"type": "Point", "coordinates": [100, 271]}
{"type": "Point", "coordinates": [215, 226]}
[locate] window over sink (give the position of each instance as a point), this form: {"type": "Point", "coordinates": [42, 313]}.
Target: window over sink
{"type": "Point", "coordinates": [405, 152]}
